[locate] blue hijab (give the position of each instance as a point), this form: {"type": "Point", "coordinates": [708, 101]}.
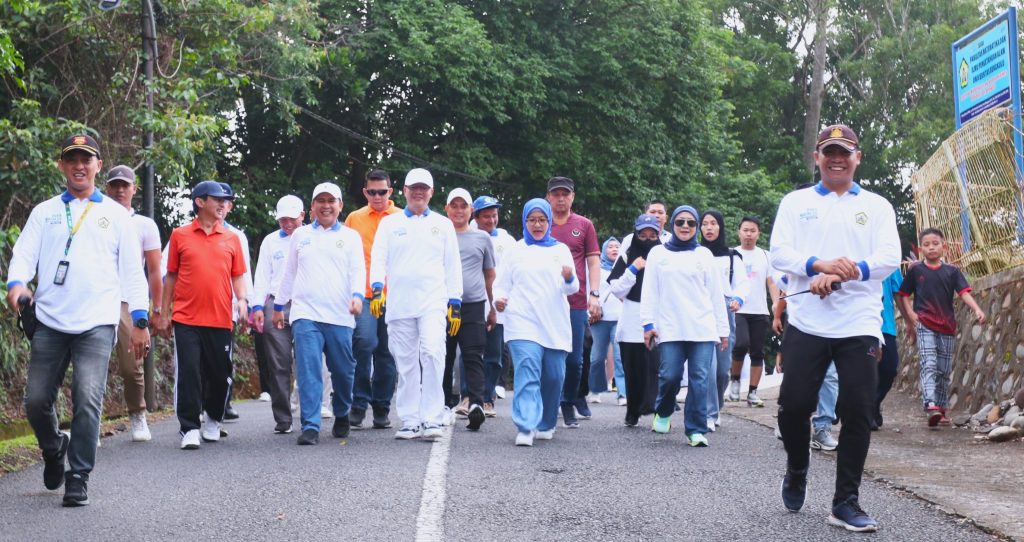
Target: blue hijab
{"type": "Point", "coordinates": [675, 244]}
{"type": "Point", "coordinates": [607, 263]}
{"type": "Point", "coordinates": [544, 207]}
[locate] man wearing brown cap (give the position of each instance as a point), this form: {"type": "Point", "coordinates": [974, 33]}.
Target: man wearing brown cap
{"type": "Point", "coordinates": [121, 188]}
{"type": "Point", "coordinates": [830, 235]}
{"type": "Point", "coordinates": [82, 251]}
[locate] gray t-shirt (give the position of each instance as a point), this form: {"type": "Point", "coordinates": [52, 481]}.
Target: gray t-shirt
{"type": "Point", "coordinates": [477, 254]}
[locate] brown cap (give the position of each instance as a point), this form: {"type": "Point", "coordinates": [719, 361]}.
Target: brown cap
{"type": "Point", "coordinates": [838, 134]}
{"type": "Point", "coordinates": [121, 173]}
{"type": "Point", "coordinates": [80, 142]}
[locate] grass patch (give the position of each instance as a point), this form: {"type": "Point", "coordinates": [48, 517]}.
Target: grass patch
{"type": "Point", "coordinates": [18, 453]}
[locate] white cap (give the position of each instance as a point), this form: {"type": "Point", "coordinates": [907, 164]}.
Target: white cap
{"type": "Point", "coordinates": [289, 207]}
{"type": "Point", "coordinates": [327, 188]}
{"type": "Point", "coordinates": [460, 193]}
{"type": "Point", "coordinates": [419, 176]}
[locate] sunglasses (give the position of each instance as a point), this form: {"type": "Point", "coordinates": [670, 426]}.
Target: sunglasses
{"type": "Point", "coordinates": [685, 222]}
{"type": "Point", "coordinates": [377, 192]}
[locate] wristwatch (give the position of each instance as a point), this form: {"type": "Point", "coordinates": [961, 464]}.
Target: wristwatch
{"type": "Point", "coordinates": [142, 323]}
{"type": "Point", "coordinates": [595, 293]}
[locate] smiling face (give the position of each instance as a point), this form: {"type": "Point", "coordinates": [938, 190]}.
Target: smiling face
{"type": "Point", "coordinates": [80, 169]}
{"type": "Point", "coordinates": [537, 224]}
{"type": "Point", "coordinates": [685, 226]}
{"type": "Point", "coordinates": [211, 208]}
{"type": "Point", "coordinates": [417, 197]}
{"type": "Point", "coordinates": [289, 225]}
{"type": "Point", "coordinates": [487, 219]}
{"type": "Point", "coordinates": [458, 212]}
{"type": "Point", "coordinates": [325, 209]}
{"type": "Point", "coordinates": [709, 228]}
{"type": "Point", "coordinates": [837, 165]}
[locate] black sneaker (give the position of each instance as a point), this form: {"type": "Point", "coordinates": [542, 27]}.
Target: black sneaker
{"type": "Point", "coordinates": [569, 416]}
{"type": "Point", "coordinates": [53, 472]}
{"type": "Point", "coordinates": [230, 414]}
{"type": "Point", "coordinates": [849, 515]}
{"type": "Point", "coordinates": [341, 427]}
{"type": "Point", "coordinates": [476, 417]}
{"type": "Point", "coordinates": [380, 418]}
{"type": "Point", "coordinates": [631, 421]}
{"type": "Point", "coordinates": [582, 408]}
{"type": "Point", "coordinates": [308, 437]}
{"type": "Point", "coordinates": [794, 489]}
{"type": "Point", "coordinates": [75, 490]}
{"type": "Point", "coordinates": [356, 416]}
{"type": "Point", "coordinates": [283, 428]}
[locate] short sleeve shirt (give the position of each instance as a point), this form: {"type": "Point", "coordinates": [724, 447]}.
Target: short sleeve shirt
{"type": "Point", "coordinates": [933, 289]}
{"type": "Point", "coordinates": [579, 235]}
{"type": "Point", "coordinates": [755, 265]}
{"type": "Point", "coordinates": [205, 265]}
{"type": "Point", "coordinates": [477, 253]}
{"type": "Point", "coordinates": [149, 234]}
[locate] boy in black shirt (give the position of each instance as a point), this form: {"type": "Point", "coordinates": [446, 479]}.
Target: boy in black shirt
{"type": "Point", "coordinates": [932, 320]}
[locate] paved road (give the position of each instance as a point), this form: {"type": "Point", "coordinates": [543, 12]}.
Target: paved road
{"type": "Point", "coordinates": [600, 482]}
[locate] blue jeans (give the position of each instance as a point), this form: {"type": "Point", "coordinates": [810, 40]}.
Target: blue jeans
{"type": "Point", "coordinates": [827, 397]}
{"type": "Point", "coordinates": [603, 332]}
{"type": "Point", "coordinates": [700, 356]}
{"type": "Point", "coordinates": [718, 378]}
{"type": "Point", "coordinates": [574, 361]}
{"type": "Point", "coordinates": [370, 347]}
{"type": "Point", "coordinates": [88, 354]}
{"type": "Point", "coordinates": [539, 373]}
{"type": "Point", "coordinates": [312, 341]}
{"type": "Point", "coordinates": [492, 361]}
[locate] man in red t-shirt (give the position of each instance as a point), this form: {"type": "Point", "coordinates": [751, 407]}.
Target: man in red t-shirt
{"type": "Point", "coordinates": [578, 233]}
{"type": "Point", "coordinates": [205, 267]}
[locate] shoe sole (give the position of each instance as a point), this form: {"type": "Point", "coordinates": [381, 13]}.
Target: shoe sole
{"type": "Point", "coordinates": [205, 439]}
{"type": "Point", "coordinates": [697, 444]}
{"type": "Point", "coordinates": [934, 419]}
{"type": "Point", "coordinates": [815, 445]}
{"type": "Point", "coordinates": [834, 521]}
{"type": "Point", "coordinates": [381, 425]}
{"type": "Point", "coordinates": [432, 436]}
{"type": "Point", "coordinates": [74, 503]}
{"type": "Point", "coordinates": [476, 419]}
{"type": "Point", "coordinates": [490, 414]}
{"type": "Point", "coordinates": [145, 438]}
{"type": "Point", "coordinates": [190, 447]}
{"type": "Point", "coordinates": [283, 431]}
{"type": "Point", "coordinates": [307, 443]}
{"type": "Point", "coordinates": [755, 405]}
{"type": "Point", "coordinates": [408, 437]}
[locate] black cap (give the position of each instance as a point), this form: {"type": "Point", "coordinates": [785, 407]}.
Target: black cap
{"type": "Point", "coordinates": [80, 142]}
{"type": "Point", "coordinates": [561, 182]}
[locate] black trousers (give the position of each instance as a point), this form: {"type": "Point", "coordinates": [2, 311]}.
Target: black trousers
{"type": "Point", "coordinates": [472, 340]}
{"type": "Point", "coordinates": [640, 368]}
{"type": "Point", "coordinates": [204, 372]}
{"type": "Point", "coordinates": [588, 344]}
{"type": "Point", "coordinates": [887, 369]}
{"type": "Point", "coordinates": [807, 358]}
{"type": "Point", "coordinates": [751, 330]}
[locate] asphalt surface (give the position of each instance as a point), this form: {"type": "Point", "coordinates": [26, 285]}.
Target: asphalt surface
{"type": "Point", "coordinates": [602, 481]}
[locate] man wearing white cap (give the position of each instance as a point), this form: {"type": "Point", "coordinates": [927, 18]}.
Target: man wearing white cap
{"type": "Point", "coordinates": [477, 255]}
{"type": "Point", "coordinates": [324, 278]}
{"type": "Point", "coordinates": [417, 253]}
{"type": "Point", "coordinates": [121, 188]}
{"type": "Point", "coordinates": [273, 345]}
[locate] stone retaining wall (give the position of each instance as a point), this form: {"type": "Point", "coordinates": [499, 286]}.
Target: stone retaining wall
{"type": "Point", "coordinates": [989, 362]}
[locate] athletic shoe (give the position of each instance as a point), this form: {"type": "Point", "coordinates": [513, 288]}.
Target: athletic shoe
{"type": "Point", "coordinates": [476, 417]}
{"type": "Point", "coordinates": [326, 412]}
{"type": "Point", "coordinates": [140, 429]}
{"type": "Point", "coordinates": [211, 431]}
{"type": "Point", "coordinates": [499, 391]}
{"type": "Point", "coordinates": [463, 409]}
{"type": "Point", "coordinates": [778, 433]}
{"type": "Point", "coordinates": [448, 417]}
{"type": "Point", "coordinates": [53, 472]}
{"type": "Point", "coordinates": [432, 430]}
{"type": "Point", "coordinates": [681, 396]}
{"type": "Point", "coordinates": [934, 414]}
{"type": "Point", "coordinates": [264, 397]}
{"type": "Point", "coordinates": [544, 435]}
{"type": "Point", "coordinates": [794, 489]}
{"type": "Point", "coordinates": [356, 417]}
{"type": "Point", "coordinates": [823, 440]}
{"type": "Point", "coordinates": [661, 425]}
{"type": "Point", "coordinates": [850, 516]}
{"type": "Point", "coordinates": [631, 421]}
{"type": "Point", "coordinates": [568, 418]}
{"type": "Point", "coordinates": [582, 409]}
{"type": "Point", "coordinates": [76, 490]}
{"type": "Point", "coordinates": [190, 440]}
{"type": "Point", "coordinates": [489, 410]}
{"type": "Point", "coordinates": [283, 428]}
{"type": "Point", "coordinates": [380, 418]}
{"type": "Point", "coordinates": [230, 414]}
{"type": "Point", "coordinates": [944, 421]}
{"type": "Point", "coordinates": [309, 437]}
{"type": "Point", "coordinates": [341, 427]}
{"type": "Point", "coordinates": [525, 439]}
{"type": "Point", "coordinates": [734, 391]}
{"type": "Point", "coordinates": [711, 425]}
{"type": "Point", "coordinates": [593, 398]}
{"type": "Point", "coordinates": [753, 400]}
{"type": "Point", "coordinates": [409, 432]}
{"type": "Point", "coordinates": [621, 401]}
{"type": "Point", "coordinates": [697, 440]}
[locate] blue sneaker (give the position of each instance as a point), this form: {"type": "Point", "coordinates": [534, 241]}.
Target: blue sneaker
{"type": "Point", "coordinates": [794, 489]}
{"type": "Point", "coordinates": [582, 408]}
{"type": "Point", "coordinates": [661, 425]}
{"type": "Point", "coordinates": [850, 516]}
{"type": "Point", "coordinates": [697, 440]}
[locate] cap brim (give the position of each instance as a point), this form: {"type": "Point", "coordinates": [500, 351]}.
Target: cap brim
{"type": "Point", "coordinates": [844, 143]}
{"type": "Point", "coordinates": [85, 148]}
{"type": "Point", "coordinates": [648, 226]}
{"type": "Point", "coordinates": [420, 184]}
{"type": "Point", "coordinates": [125, 179]}
{"type": "Point", "coordinates": [562, 186]}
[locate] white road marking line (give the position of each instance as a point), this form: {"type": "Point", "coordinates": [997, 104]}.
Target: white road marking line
{"type": "Point", "coordinates": [430, 519]}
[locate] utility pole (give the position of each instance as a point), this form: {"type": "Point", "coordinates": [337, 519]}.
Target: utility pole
{"type": "Point", "coordinates": [148, 207]}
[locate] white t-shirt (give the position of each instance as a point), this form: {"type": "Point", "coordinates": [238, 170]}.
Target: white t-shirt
{"type": "Point", "coordinates": [149, 234]}
{"type": "Point", "coordinates": [538, 309]}
{"type": "Point", "coordinates": [755, 262]}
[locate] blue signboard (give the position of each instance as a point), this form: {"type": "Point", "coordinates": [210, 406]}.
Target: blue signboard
{"type": "Point", "coordinates": [982, 68]}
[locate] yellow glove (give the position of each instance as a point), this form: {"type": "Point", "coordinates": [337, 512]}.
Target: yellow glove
{"type": "Point", "coordinates": [454, 319]}
{"type": "Point", "coordinates": [377, 302]}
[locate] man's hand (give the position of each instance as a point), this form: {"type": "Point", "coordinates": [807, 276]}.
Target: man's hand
{"type": "Point", "coordinates": [242, 306]}
{"type": "Point", "coordinates": [651, 339]}
{"type": "Point", "coordinates": [355, 307]}
{"type": "Point", "coordinates": [724, 344]}
{"type": "Point", "coordinates": [454, 319]}
{"type": "Point", "coordinates": [777, 325]}
{"type": "Point", "coordinates": [979, 315]}
{"type": "Point", "coordinates": [258, 320]}
{"type": "Point", "coordinates": [492, 319]}
{"type": "Point", "coordinates": [735, 305]}
{"type": "Point", "coordinates": [161, 325]}
{"type": "Point", "coordinates": [594, 308]}
{"type": "Point", "coordinates": [821, 285]}
{"type": "Point", "coordinates": [843, 267]}
{"type": "Point", "coordinates": [140, 342]}
{"type": "Point", "coordinates": [500, 304]}
{"type": "Point", "coordinates": [911, 332]}
{"type": "Point", "coordinates": [16, 292]}
{"type": "Point", "coordinates": [377, 302]}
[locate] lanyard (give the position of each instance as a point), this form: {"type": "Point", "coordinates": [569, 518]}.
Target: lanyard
{"type": "Point", "coordinates": [73, 230]}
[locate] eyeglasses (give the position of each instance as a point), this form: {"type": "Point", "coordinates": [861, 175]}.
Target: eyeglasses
{"type": "Point", "coordinates": [377, 192]}
{"type": "Point", "coordinates": [537, 221]}
{"type": "Point", "coordinates": [685, 222]}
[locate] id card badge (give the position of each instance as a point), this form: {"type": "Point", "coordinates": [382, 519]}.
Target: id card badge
{"type": "Point", "coordinates": [62, 272]}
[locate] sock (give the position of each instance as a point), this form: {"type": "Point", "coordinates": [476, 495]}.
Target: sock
{"type": "Point", "coordinates": [734, 378]}
{"type": "Point", "coordinates": [752, 388]}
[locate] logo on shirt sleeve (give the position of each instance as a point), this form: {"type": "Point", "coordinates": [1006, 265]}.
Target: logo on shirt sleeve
{"type": "Point", "coordinates": [861, 218]}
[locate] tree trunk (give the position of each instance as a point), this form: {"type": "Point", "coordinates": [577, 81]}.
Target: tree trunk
{"type": "Point", "coordinates": [357, 173]}
{"type": "Point", "coordinates": [819, 8]}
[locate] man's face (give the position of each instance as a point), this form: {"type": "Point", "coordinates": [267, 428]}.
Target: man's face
{"type": "Point", "coordinates": [418, 196]}
{"type": "Point", "coordinates": [836, 164]}
{"type": "Point", "coordinates": [933, 247]}
{"type": "Point", "coordinates": [658, 210]}
{"type": "Point", "coordinates": [325, 209]}
{"type": "Point", "coordinates": [561, 200]}
{"type": "Point", "coordinates": [121, 192]}
{"type": "Point", "coordinates": [749, 234]}
{"type": "Point", "coordinates": [487, 220]}
{"type": "Point", "coordinates": [458, 212]}
{"type": "Point", "coordinates": [212, 208]}
{"type": "Point", "coordinates": [228, 206]}
{"type": "Point", "coordinates": [378, 194]}
{"type": "Point", "coordinates": [709, 228]}
{"type": "Point", "coordinates": [80, 169]}
{"type": "Point", "coordinates": [290, 224]}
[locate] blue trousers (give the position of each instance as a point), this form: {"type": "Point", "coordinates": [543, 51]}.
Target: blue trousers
{"type": "Point", "coordinates": [603, 332]}
{"type": "Point", "coordinates": [718, 378]}
{"type": "Point", "coordinates": [539, 373]}
{"type": "Point", "coordinates": [828, 395]}
{"type": "Point", "coordinates": [313, 340]}
{"type": "Point", "coordinates": [700, 356]}
{"type": "Point", "coordinates": [370, 348]}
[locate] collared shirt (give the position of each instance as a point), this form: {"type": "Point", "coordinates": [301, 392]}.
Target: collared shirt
{"type": "Point", "coordinates": [682, 296]}
{"type": "Point", "coordinates": [247, 276]}
{"type": "Point", "coordinates": [366, 221]}
{"type": "Point", "coordinates": [205, 265]}
{"type": "Point", "coordinates": [323, 271]}
{"type": "Point", "coordinates": [815, 223]}
{"type": "Point", "coordinates": [418, 257]}
{"type": "Point", "coordinates": [103, 263]}
{"type": "Point", "coordinates": [269, 267]}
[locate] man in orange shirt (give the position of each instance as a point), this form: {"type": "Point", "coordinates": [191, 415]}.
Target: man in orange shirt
{"type": "Point", "coordinates": [205, 267]}
{"type": "Point", "coordinates": [370, 340]}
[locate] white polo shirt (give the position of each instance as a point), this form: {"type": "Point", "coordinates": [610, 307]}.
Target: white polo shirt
{"type": "Point", "coordinates": [103, 263]}
{"type": "Point", "coordinates": [815, 223]}
{"type": "Point", "coordinates": [269, 267]}
{"type": "Point", "coordinates": [682, 296]}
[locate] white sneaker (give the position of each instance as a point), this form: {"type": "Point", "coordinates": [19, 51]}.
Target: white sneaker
{"type": "Point", "coordinates": [190, 440]}
{"type": "Point", "coordinates": [734, 391]}
{"type": "Point", "coordinates": [326, 412]}
{"type": "Point", "coordinates": [264, 397]}
{"type": "Point", "coordinates": [499, 391]}
{"type": "Point", "coordinates": [681, 396]}
{"type": "Point", "coordinates": [525, 439]}
{"type": "Point", "coordinates": [211, 431]}
{"type": "Point", "coordinates": [202, 416]}
{"type": "Point", "coordinates": [544, 435]}
{"type": "Point", "coordinates": [622, 401]}
{"type": "Point", "coordinates": [432, 430]}
{"type": "Point", "coordinates": [140, 429]}
{"type": "Point", "coordinates": [711, 425]}
{"type": "Point", "coordinates": [593, 398]}
{"type": "Point", "coordinates": [408, 432]}
{"type": "Point", "coordinates": [449, 417]}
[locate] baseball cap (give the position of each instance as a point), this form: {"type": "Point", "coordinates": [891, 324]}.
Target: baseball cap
{"type": "Point", "coordinates": [838, 134]}
{"type": "Point", "coordinates": [327, 188]}
{"type": "Point", "coordinates": [460, 193]}
{"type": "Point", "coordinates": [121, 173]}
{"type": "Point", "coordinates": [646, 221]}
{"type": "Point", "coordinates": [80, 142]}
{"type": "Point", "coordinates": [485, 202]}
{"type": "Point", "coordinates": [561, 182]}
{"type": "Point", "coordinates": [212, 189]}
{"type": "Point", "coordinates": [419, 176]}
{"type": "Point", "coordinates": [228, 190]}
{"type": "Point", "coordinates": [289, 207]}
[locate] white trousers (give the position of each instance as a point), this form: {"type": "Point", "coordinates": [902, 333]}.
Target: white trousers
{"type": "Point", "coordinates": [418, 346]}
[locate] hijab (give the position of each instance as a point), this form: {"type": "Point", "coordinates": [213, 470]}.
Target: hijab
{"type": "Point", "coordinates": [718, 246]}
{"type": "Point", "coordinates": [606, 262]}
{"type": "Point", "coordinates": [675, 244]}
{"type": "Point", "coordinates": [538, 204]}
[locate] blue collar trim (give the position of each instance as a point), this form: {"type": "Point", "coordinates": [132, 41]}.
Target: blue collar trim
{"type": "Point", "coordinates": [409, 214]}
{"type": "Point", "coordinates": [95, 197]}
{"type": "Point", "coordinates": [821, 190]}
{"type": "Point", "coordinates": [282, 234]}
{"type": "Point", "coordinates": [316, 225]}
